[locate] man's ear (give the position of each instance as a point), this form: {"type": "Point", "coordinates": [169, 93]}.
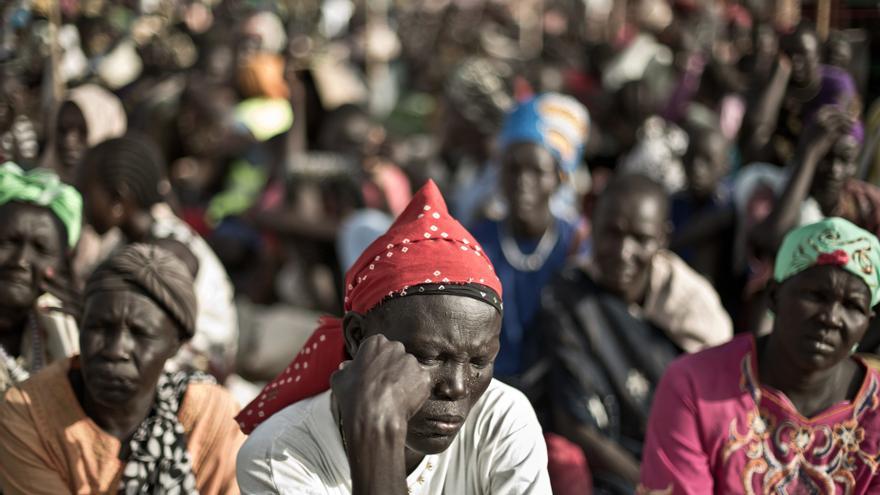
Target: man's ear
{"type": "Point", "coordinates": [354, 331]}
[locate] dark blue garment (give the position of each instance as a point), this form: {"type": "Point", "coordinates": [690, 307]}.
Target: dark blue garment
{"type": "Point", "coordinates": [684, 208]}
{"type": "Point", "coordinates": [522, 290]}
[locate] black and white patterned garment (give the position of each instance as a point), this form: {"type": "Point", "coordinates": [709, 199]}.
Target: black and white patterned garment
{"type": "Point", "coordinates": [159, 462]}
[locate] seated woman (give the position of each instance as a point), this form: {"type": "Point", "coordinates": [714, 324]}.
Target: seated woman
{"type": "Point", "coordinates": [111, 419]}
{"type": "Point", "coordinates": [39, 227]}
{"type": "Point", "coordinates": [415, 410]}
{"type": "Point", "coordinates": [793, 412]}
{"type": "Point", "coordinates": [541, 142]}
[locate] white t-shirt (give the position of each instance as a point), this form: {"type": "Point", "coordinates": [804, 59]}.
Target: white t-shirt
{"type": "Point", "coordinates": [500, 449]}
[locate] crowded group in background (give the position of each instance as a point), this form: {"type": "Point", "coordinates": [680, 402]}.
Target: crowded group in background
{"type": "Point", "coordinates": [439, 247]}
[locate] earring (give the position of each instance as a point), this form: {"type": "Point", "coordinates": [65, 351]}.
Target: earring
{"type": "Point", "coordinates": [855, 348]}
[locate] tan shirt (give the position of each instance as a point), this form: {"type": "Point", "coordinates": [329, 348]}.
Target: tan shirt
{"type": "Point", "coordinates": [685, 304]}
{"type": "Point", "coordinates": [49, 446]}
{"type": "Point", "coordinates": [682, 303]}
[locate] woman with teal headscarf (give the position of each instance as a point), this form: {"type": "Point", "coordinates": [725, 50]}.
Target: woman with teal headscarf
{"type": "Point", "coordinates": [40, 221]}
{"type": "Point", "coordinates": [793, 412]}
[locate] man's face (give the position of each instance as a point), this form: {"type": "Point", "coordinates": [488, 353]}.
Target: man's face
{"type": "Point", "coordinates": [705, 163]}
{"type": "Point", "coordinates": [629, 229]}
{"type": "Point", "coordinates": [125, 340]}
{"type": "Point", "coordinates": [528, 179]}
{"type": "Point", "coordinates": [72, 135]}
{"type": "Point", "coordinates": [98, 202]}
{"type": "Point", "coordinates": [803, 49]}
{"type": "Point", "coordinates": [455, 339]}
{"type": "Point", "coordinates": [32, 240]}
{"type": "Point", "coordinates": [837, 167]}
{"type": "Point", "coordinates": [821, 313]}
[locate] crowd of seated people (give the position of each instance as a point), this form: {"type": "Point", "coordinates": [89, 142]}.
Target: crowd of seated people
{"type": "Point", "coordinates": [438, 248]}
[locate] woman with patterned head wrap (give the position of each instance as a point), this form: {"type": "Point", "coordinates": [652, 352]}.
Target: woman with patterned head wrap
{"type": "Point", "coordinates": [415, 409]}
{"type": "Point", "coordinates": [541, 144]}
{"type": "Point", "coordinates": [40, 220]}
{"type": "Point", "coordinates": [112, 419]}
{"type": "Point", "coordinates": [820, 183]}
{"type": "Point", "coordinates": [792, 412]}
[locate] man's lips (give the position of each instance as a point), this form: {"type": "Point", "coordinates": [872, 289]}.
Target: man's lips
{"type": "Point", "coordinates": [444, 425]}
{"type": "Point", "coordinates": [107, 377]}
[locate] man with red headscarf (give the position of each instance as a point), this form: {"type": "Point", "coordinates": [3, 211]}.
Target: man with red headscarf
{"type": "Point", "coordinates": [413, 407]}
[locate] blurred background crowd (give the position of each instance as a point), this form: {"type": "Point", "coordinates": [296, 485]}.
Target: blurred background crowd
{"type": "Point", "coordinates": [269, 142]}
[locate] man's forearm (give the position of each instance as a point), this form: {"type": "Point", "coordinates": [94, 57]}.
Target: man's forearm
{"type": "Point", "coordinates": [376, 456]}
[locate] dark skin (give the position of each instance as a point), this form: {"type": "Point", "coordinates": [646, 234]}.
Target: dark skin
{"type": "Point", "coordinates": [105, 209]}
{"type": "Point", "coordinates": [797, 77]}
{"type": "Point", "coordinates": [71, 136]}
{"type": "Point", "coordinates": [821, 313]}
{"type": "Point", "coordinates": [706, 162]}
{"type": "Point", "coordinates": [803, 49]}
{"type": "Point", "coordinates": [125, 339]}
{"type": "Point", "coordinates": [420, 364]}
{"type": "Point", "coordinates": [825, 160]}
{"type": "Point", "coordinates": [630, 227]}
{"type": "Point", "coordinates": [33, 244]}
{"type": "Point", "coordinates": [528, 180]}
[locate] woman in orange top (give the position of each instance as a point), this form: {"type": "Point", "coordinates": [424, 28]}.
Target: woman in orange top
{"type": "Point", "coordinates": [111, 419]}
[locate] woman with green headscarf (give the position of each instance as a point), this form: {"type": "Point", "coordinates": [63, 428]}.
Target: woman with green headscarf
{"type": "Point", "coordinates": [795, 411]}
{"type": "Point", "coordinates": [40, 220]}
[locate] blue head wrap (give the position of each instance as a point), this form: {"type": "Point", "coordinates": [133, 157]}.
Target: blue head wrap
{"type": "Point", "coordinates": [557, 122]}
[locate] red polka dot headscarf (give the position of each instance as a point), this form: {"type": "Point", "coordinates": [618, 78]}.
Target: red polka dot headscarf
{"type": "Point", "coordinates": [425, 251]}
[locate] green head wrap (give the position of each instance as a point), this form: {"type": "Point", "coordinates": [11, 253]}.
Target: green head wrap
{"type": "Point", "coordinates": [833, 241]}
{"type": "Point", "coordinates": [43, 188]}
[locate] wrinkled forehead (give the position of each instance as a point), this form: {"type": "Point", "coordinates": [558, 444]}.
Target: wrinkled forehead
{"type": "Point", "coordinates": [632, 207]}
{"type": "Point", "coordinates": [827, 277]}
{"type": "Point", "coordinates": [440, 319]}
{"type": "Point", "coordinates": [36, 218]}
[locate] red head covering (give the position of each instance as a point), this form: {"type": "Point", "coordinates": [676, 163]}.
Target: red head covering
{"type": "Point", "coordinates": [425, 245]}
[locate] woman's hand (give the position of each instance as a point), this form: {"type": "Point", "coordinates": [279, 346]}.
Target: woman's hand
{"type": "Point", "coordinates": [383, 386]}
{"type": "Point", "coordinates": [377, 393]}
{"type": "Point", "coordinates": [831, 122]}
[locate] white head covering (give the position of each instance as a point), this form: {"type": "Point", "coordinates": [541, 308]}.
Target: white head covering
{"type": "Point", "coordinates": [274, 37]}
{"type": "Point", "coordinates": [103, 112]}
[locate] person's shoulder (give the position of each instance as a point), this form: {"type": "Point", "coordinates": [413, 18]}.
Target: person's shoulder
{"type": "Point", "coordinates": [287, 448]}
{"type": "Point", "coordinates": [707, 362]}
{"type": "Point", "coordinates": [204, 401]}
{"type": "Point", "coordinates": [44, 385]}
{"type": "Point", "coordinates": [838, 79]}
{"type": "Point", "coordinates": [574, 275]}
{"type": "Point", "coordinates": [668, 264]}
{"type": "Point", "coordinates": [40, 398]}
{"type": "Point", "coordinates": [290, 427]}
{"type": "Point", "coordinates": [502, 410]}
{"type": "Point", "coordinates": [484, 230]}
{"type": "Point", "coordinates": [502, 395]}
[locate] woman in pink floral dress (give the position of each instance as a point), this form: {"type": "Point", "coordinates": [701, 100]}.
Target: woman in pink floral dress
{"type": "Point", "coordinates": [794, 412]}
